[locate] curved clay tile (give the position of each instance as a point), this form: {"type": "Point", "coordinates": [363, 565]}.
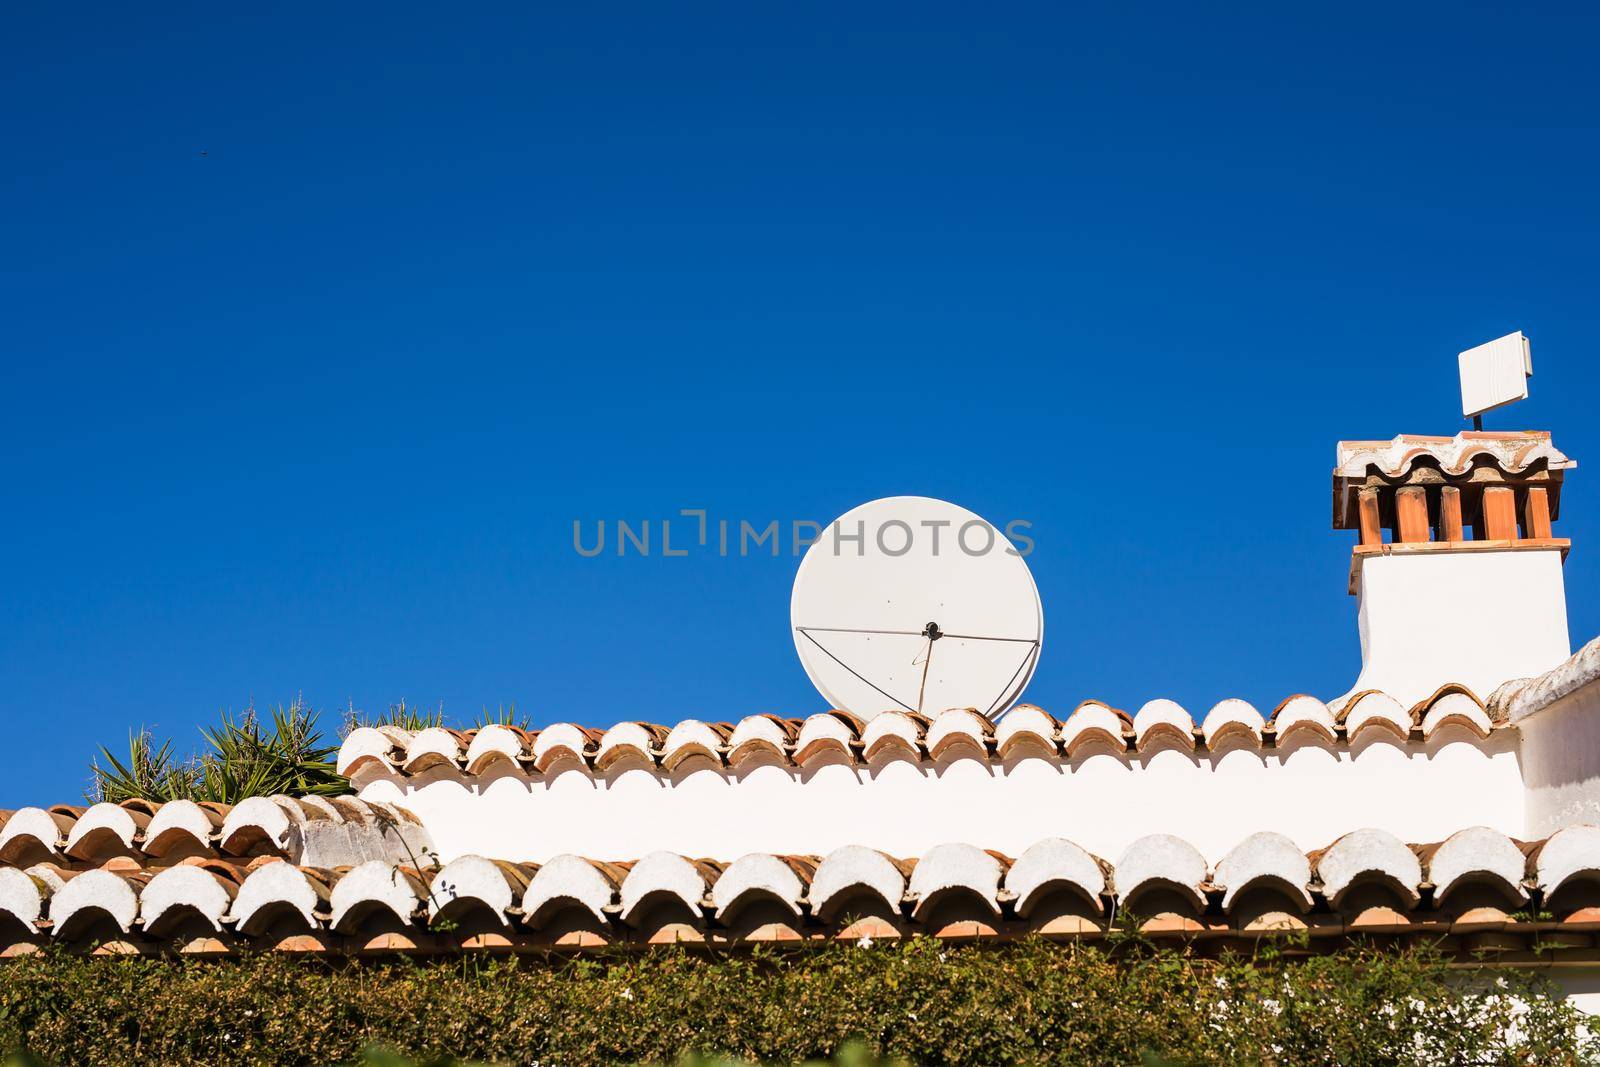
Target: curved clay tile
{"type": "Point", "coordinates": [1026, 728]}
{"type": "Point", "coordinates": [231, 873]}
{"type": "Point", "coordinates": [663, 874]}
{"type": "Point", "coordinates": [433, 747]}
{"type": "Point", "coordinates": [893, 732]}
{"type": "Point", "coordinates": [955, 868]}
{"type": "Point", "coordinates": [1373, 708]}
{"type": "Point", "coordinates": [469, 882]}
{"type": "Point", "coordinates": [1342, 706]}
{"type": "Point", "coordinates": [180, 824]}
{"type": "Point", "coordinates": [1452, 705]}
{"type": "Point", "coordinates": [1049, 866]}
{"type": "Point", "coordinates": [1161, 861]}
{"type": "Point", "coordinates": [330, 809]}
{"type": "Point", "coordinates": [1301, 712]}
{"type": "Point", "coordinates": [691, 737]}
{"type": "Point", "coordinates": [1566, 856]}
{"type": "Point", "coordinates": [353, 811]}
{"type": "Point", "coordinates": [1264, 858]}
{"type": "Point", "coordinates": [104, 830]}
{"type": "Point", "coordinates": [1367, 856]}
{"type": "Point", "coordinates": [1512, 452]}
{"type": "Point", "coordinates": [364, 747]}
{"type": "Point", "coordinates": [1233, 718]}
{"type": "Point", "coordinates": [494, 744]}
{"type": "Point", "coordinates": [179, 892]}
{"type": "Point", "coordinates": [569, 880]}
{"type": "Point", "coordinates": [334, 832]}
{"type": "Point", "coordinates": [848, 871]}
{"type": "Point", "coordinates": [1093, 721]}
{"type": "Point", "coordinates": [761, 734]}
{"type": "Point", "coordinates": [1170, 925]}
{"type": "Point", "coordinates": [1420, 708]}
{"type": "Point", "coordinates": [1163, 719]}
{"type": "Point", "coordinates": [825, 732]}
{"type": "Point", "coordinates": [561, 741]}
{"type": "Point", "coordinates": [256, 823]}
{"type": "Point", "coordinates": [22, 896]}
{"type": "Point", "coordinates": [49, 875]}
{"type": "Point", "coordinates": [625, 740]}
{"type": "Point", "coordinates": [1477, 854]}
{"type": "Point", "coordinates": [1499, 703]}
{"type": "Point", "coordinates": [757, 876]}
{"type": "Point", "coordinates": [1482, 919]}
{"type": "Point", "coordinates": [1516, 699]}
{"type": "Point", "coordinates": [272, 890]}
{"type": "Point", "coordinates": [958, 730]}
{"type": "Point", "coordinates": [373, 886]}
{"type": "Point", "coordinates": [88, 896]}
{"type": "Point", "coordinates": [382, 810]}
{"type": "Point", "coordinates": [398, 736]}
{"type": "Point", "coordinates": [32, 830]}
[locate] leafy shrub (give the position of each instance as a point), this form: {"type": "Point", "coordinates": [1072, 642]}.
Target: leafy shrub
{"type": "Point", "coordinates": [920, 1001]}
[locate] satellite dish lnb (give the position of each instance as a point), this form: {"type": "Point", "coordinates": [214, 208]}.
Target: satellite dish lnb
{"type": "Point", "coordinates": [914, 604]}
{"type": "Point", "coordinates": [1495, 374]}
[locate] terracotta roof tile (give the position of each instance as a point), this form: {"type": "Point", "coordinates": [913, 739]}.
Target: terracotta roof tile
{"type": "Point", "coordinates": [1516, 700]}
{"type": "Point", "coordinates": [315, 829]}
{"type": "Point", "coordinates": [1366, 882]}
{"type": "Point", "coordinates": [1513, 452]}
{"type": "Point", "coordinates": [956, 733]}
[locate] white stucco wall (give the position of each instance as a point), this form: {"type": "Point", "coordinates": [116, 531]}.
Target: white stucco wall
{"type": "Point", "coordinates": [1581, 986]}
{"type": "Point", "coordinates": [1561, 762]}
{"type": "Point", "coordinates": [1312, 792]}
{"type": "Point", "coordinates": [1475, 617]}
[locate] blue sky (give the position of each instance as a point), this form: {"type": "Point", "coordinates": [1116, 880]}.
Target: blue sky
{"type": "Point", "coordinates": [323, 326]}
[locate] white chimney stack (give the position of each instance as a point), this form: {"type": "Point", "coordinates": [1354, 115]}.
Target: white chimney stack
{"type": "Point", "coordinates": [1468, 586]}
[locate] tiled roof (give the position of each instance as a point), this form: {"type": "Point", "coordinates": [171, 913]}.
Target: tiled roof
{"type": "Point", "coordinates": [1479, 886]}
{"type": "Point", "coordinates": [138, 834]}
{"type": "Point", "coordinates": [1025, 728]}
{"type": "Point", "coordinates": [1525, 696]}
{"type": "Point", "coordinates": [1512, 452]}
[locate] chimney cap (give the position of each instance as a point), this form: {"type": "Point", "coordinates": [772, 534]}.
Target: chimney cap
{"type": "Point", "coordinates": [1512, 452]}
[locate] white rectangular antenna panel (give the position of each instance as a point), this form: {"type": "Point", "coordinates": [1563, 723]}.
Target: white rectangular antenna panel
{"type": "Point", "coordinates": [1495, 374]}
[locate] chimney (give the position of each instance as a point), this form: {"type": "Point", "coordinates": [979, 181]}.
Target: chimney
{"type": "Point", "coordinates": [1457, 571]}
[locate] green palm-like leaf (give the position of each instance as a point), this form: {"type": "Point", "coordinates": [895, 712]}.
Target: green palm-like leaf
{"type": "Point", "coordinates": [150, 773]}
{"type": "Point", "coordinates": [243, 759]}
{"type": "Point", "coordinates": [402, 715]}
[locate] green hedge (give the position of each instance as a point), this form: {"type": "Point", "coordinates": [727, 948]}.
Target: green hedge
{"type": "Point", "coordinates": [920, 1001]}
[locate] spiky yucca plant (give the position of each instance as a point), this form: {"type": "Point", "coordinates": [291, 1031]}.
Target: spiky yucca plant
{"type": "Point", "coordinates": [247, 760]}
{"type": "Point", "coordinates": [502, 716]}
{"type": "Point", "coordinates": [403, 715]}
{"type": "Point", "coordinates": [244, 759]}
{"type": "Point", "coordinates": [151, 773]}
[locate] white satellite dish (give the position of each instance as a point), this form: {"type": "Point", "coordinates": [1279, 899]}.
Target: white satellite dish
{"type": "Point", "coordinates": [914, 604]}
